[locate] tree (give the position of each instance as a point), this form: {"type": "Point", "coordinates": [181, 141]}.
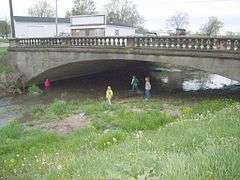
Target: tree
{"type": "Point", "coordinates": [178, 20]}
{"type": "Point", "coordinates": [41, 9]}
{"type": "Point", "coordinates": [82, 7]}
{"type": "Point", "coordinates": [212, 27]}
{"type": "Point", "coordinates": [68, 14]}
{"type": "Point", "coordinates": [5, 29]}
{"type": "Point", "coordinates": [123, 12]}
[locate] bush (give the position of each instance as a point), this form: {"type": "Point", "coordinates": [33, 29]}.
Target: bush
{"type": "Point", "coordinates": [34, 90]}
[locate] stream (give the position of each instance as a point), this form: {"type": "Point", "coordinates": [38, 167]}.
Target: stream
{"type": "Point", "coordinates": [163, 80]}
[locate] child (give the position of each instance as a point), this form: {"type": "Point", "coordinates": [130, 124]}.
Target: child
{"type": "Point", "coordinates": [46, 85]}
{"type": "Point", "coordinates": [134, 83]}
{"type": "Point", "coordinates": [148, 87]}
{"type": "Point", "coordinates": [109, 95]}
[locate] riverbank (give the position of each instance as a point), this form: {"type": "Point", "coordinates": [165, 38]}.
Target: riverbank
{"type": "Point", "coordinates": [161, 138]}
{"type": "Point", "coordinates": [10, 79]}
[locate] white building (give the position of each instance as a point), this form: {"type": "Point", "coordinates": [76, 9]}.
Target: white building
{"type": "Point", "coordinates": [96, 25]}
{"type": "Point", "coordinates": [26, 26]}
{"type": "Point", "coordinates": [77, 26]}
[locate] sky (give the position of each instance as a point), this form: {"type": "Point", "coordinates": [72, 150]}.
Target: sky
{"type": "Point", "coordinates": [155, 12]}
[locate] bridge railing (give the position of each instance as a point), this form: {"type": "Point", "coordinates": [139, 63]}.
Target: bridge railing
{"type": "Point", "coordinates": [187, 43]}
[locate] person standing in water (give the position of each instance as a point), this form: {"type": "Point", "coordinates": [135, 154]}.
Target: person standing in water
{"type": "Point", "coordinates": [47, 85]}
{"type": "Point", "coordinates": [109, 95]}
{"type": "Point", "coordinates": [148, 88]}
{"type": "Point", "coordinates": [135, 83]}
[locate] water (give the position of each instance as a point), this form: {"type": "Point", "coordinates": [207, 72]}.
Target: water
{"type": "Point", "coordinates": [8, 110]}
{"type": "Point", "coordinates": [192, 80]}
{"type": "Point", "coordinates": [93, 87]}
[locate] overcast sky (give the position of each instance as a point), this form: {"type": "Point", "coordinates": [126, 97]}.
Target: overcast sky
{"type": "Point", "coordinates": [155, 12]}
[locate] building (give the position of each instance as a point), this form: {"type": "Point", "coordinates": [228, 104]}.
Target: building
{"type": "Point", "coordinates": [78, 26]}
{"type": "Point", "coordinates": [26, 26]}
{"type": "Point", "coordinates": [96, 25]}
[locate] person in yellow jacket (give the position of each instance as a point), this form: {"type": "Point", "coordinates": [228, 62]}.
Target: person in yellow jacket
{"type": "Point", "coordinates": [109, 95]}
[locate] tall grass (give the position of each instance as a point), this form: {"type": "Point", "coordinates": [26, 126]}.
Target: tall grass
{"type": "Point", "coordinates": [58, 110]}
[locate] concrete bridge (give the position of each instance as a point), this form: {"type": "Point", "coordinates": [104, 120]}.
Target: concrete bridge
{"type": "Point", "coordinates": [59, 58]}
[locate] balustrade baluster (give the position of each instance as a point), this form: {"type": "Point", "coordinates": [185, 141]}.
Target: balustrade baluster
{"type": "Point", "coordinates": [161, 43]}
{"type": "Point", "coordinates": [145, 42]}
{"type": "Point", "coordinates": [215, 44]}
{"type": "Point", "coordinates": [118, 42]}
{"type": "Point", "coordinates": [177, 42]}
{"type": "Point", "coordinates": [155, 42]}
{"type": "Point", "coordinates": [209, 44]}
{"type": "Point", "coordinates": [104, 42]}
{"type": "Point", "coordinates": [172, 43]}
{"type": "Point", "coordinates": [137, 42]}
{"type": "Point", "coordinates": [236, 45]}
{"type": "Point", "coordinates": [94, 42]}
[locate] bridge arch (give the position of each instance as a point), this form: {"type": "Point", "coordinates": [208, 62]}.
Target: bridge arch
{"type": "Point", "coordinates": [35, 57]}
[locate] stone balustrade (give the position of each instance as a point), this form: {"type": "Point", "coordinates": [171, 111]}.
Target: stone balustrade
{"type": "Point", "coordinates": [168, 42]}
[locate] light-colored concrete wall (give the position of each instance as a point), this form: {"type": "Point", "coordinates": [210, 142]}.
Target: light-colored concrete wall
{"type": "Point", "coordinates": [37, 29]}
{"type": "Point", "coordinates": [87, 19]}
{"type": "Point", "coordinates": [54, 63]}
{"type": "Point", "coordinates": [123, 31]}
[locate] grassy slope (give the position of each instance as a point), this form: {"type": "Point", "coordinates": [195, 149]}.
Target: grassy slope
{"type": "Point", "coordinates": [3, 67]}
{"type": "Point", "coordinates": [202, 144]}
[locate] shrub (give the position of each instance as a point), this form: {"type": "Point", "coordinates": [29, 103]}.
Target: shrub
{"type": "Point", "coordinates": [34, 90]}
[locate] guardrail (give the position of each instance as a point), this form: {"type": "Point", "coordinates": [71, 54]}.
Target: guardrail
{"type": "Point", "coordinates": [188, 43]}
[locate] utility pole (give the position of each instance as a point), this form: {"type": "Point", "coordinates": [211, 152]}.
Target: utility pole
{"type": "Point", "coordinates": [56, 13]}
{"type": "Point", "coordinates": [12, 19]}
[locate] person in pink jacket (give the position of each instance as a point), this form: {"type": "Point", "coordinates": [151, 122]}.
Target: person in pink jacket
{"type": "Point", "coordinates": [46, 85]}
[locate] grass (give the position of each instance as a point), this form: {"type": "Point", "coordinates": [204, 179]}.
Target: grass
{"type": "Point", "coordinates": [34, 90]}
{"type": "Point", "coordinates": [201, 144]}
{"type": "Point", "coordinates": [58, 110]}
{"type": "Point", "coordinates": [4, 68]}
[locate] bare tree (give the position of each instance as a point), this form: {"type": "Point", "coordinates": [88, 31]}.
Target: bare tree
{"type": "Point", "coordinates": [41, 9]}
{"type": "Point", "coordinates": [212, 27]}
{"type": "Point", "coordinates": [123, 12]}
{"type": "Point", "coordinates": [178, 20]}
{"type": "Point", "coordinates": [82, 7]}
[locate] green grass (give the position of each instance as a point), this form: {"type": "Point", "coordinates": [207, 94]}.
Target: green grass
{"type": "Point", "coordinates": [202, 144]}
{"type": "Point", "coordinates": [58, 110]}
{"type": "Point", "coordinates": [4, 68]}
{"type": "Point", "coordinates": [34, 90]}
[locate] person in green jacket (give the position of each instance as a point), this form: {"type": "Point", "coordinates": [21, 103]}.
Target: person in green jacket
{"type": "Point", "coordinates": [135, 83]}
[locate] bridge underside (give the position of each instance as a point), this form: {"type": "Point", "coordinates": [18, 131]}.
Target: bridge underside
{"type": "Point", "coordinates": [86, 68]}
{"type": "Point", "coordinates": [38, 64]}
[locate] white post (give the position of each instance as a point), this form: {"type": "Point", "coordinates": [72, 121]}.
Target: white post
{"type": "Point", "coordinates": [56, 21]}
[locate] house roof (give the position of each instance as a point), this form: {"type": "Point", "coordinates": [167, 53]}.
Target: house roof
{"type": "Point", "coordinates": [40, 19]}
